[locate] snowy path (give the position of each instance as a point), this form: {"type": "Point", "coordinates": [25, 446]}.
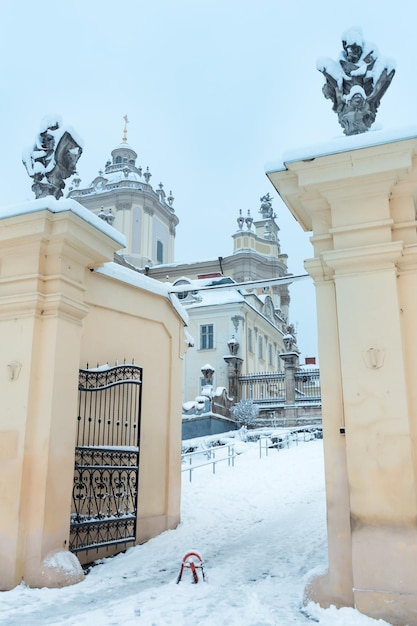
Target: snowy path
{"type": "Point", "coordinates": [260, 528]}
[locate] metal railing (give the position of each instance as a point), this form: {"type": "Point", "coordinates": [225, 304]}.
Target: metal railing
{"type": "Point", "coordinates": [212, 459]}
{"type": "Point", "coordinates": [284, 439]}
{"type": "Point", "coordinates": [307, 385]}
{"type": "Point", "coordinates": [269, 388]}
{"type": "Point", "coordinates": [262, 387]}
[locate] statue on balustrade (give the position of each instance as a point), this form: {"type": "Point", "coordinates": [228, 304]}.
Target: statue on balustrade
{"type": "Point", "coordinates": [356, 82]}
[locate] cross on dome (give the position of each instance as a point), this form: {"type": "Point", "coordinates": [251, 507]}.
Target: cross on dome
{"type": "Point", "coordinates": [125, 128]}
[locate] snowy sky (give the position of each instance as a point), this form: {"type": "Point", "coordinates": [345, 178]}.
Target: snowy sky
{"type": "Point", "coordinates": [214, 90]}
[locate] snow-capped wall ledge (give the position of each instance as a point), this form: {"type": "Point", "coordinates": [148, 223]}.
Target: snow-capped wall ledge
{"type": "Point", "coordinates": [136, 279]}
{"type": "Point", "coordinates": [49, 203]}
{"type": "Point", "coordinates": [341, 144]}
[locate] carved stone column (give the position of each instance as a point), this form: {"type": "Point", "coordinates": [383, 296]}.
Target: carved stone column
{"type": "Point", "coordinates": [290, 367]}
{"type": "Point", "coordinates": [360, 204]}
{"type": "Point", "coordinates": [234, 369]}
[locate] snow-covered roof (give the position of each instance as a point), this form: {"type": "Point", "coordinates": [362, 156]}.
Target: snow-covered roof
{"type": "Point", "coordinates": [60, 206]}
{"type": "Point", "coordinates": [214, 298]}
{"type": "Point", "coordinates": [119, 176]}
{"type": "Point", "coordinates": [183, 263]}
{"type": "Point", "coordinates": [124, 146]}
{"type": "Point", "coordinates": [210, 297]}
{"type": "Point", "coordinates": [342, 144]}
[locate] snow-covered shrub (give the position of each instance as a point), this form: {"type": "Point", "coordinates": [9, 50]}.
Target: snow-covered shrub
{"type": "Point", "coordinates": [245, 413]}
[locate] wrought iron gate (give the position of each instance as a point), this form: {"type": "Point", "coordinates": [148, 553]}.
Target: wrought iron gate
{"type": "Point", "coordinates": [106, 474]}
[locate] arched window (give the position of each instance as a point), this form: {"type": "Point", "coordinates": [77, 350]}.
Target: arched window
{"type": "Point", "coordinates": [159, 251]}
{"type": "Point", "coordinates": [181, 295]}
{"type": "Point", "coordinates": [118, 159]}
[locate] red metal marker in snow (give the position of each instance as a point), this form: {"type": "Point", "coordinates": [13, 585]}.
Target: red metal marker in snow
{"type": "Point", "coordinates": [192, 561]}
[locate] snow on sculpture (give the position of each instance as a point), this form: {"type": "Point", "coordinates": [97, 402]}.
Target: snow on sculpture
{"type": "Point", "coordinates": [356, 82]}
{"type": "Point", "coordinates": [52, 158]}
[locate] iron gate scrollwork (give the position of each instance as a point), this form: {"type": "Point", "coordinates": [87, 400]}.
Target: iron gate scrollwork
{"type": "Point", "coordinates": [106, 473]}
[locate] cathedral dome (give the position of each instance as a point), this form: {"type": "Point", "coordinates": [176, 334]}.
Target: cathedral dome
{"type": "Point", "coordinates": [123, 174]}
{"type": "Point", "coordinates": [124, 154]}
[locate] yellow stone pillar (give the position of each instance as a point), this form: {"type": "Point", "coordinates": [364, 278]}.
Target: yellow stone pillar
{"type": "Point", "coordinates": [359, 199]}
{"type": "Point", "coordinates": [46, 247]}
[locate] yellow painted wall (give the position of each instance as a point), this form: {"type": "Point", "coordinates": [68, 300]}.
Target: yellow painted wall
{"type": "Point", "coordinates": [360, 204]}
{"type": "Point", "coordinates": [56, 315]}
{"type": "Point", "coordinates": [124, 322]}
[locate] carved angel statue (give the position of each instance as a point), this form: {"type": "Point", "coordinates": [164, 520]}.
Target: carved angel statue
{"type": "Point", "coordinates": [356, 82]}
{"type": "Point", "coordinates": [52, 158]}
{"type": "Point", "coordinates": [266, 206]}
{"type": "Point", "coordinates": [289, 339]}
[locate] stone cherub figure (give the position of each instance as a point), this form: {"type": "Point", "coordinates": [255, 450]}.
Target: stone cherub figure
{"type": "Point", "coordinates": [52, 158]}
{"type": "Point", "coordinates": [356, 82]}
{"type": "Point", "coordinates": [289, 339]}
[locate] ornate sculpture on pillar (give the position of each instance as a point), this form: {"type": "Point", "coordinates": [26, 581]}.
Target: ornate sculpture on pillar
{"type": "Point", "coordinates": [52, 158]}
{"type": "Point", "coordinates": [234, 368]}
{"type": "Point", "coordinates": [208, 371]}
{"type": "Point", "coordinates": [290, 358]}
{"type": "Point", "coordinates": [266, 207]}
{"type": "Point", "coordinates": [356, 82]}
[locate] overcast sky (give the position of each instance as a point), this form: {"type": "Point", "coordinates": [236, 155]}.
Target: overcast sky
{"type": "Point", "coordinates": [213, 89]}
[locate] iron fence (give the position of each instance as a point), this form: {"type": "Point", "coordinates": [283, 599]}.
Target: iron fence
{"type": "Point", "coordinates": [269, 388]}
{"type": "Point", "coordinates": [109, 402]}
{"type": "Point", "coordinates": [307, 385]}
{"type": "Point", "coordinates": [106, 472]}
{"type": "Point", "coordinates": [263, 387]}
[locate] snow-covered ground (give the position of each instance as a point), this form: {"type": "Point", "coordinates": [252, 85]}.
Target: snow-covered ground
{"type": "Point", "coordinates": [260, 528]}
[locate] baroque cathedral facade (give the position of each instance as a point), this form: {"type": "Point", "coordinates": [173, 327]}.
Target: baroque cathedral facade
{"type": "Point", "coordinates": [232, 331]}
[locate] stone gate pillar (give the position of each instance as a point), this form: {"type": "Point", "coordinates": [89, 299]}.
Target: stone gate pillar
{"type": "Point", "coordinates": [234, 370]}
{"type": "Point", "coordinates": [359, 200]}
{"type": "Point", "coordinates": [46, 247]}
{"type": "Point", "coordinates": [291, 360]}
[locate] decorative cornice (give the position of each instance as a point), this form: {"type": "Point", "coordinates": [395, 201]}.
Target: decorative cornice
{"type": "Point", "coordinates": [42, 306]}
{"type": "Point", "coordinates": [364, 259]}
{"type": "Point", "coordinates": [123, 206]}
{"type": "Point", "coordinates": [318, 270]}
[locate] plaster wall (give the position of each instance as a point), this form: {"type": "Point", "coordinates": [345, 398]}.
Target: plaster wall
{"type": "Point", "coordinates": [42, 261]}
{"type": "Point", "coordinates": [126, 323]}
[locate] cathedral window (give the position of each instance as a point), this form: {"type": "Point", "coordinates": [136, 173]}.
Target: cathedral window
{"type": "Point", "coordinates": [270, 362]}
{"type": "Point", "coordinates": [159, 251]}
{"type": "Point", "coordinates": [260, 347]}
{"type": "Point", "coordinates": [250, 340]}
{"type": "Point", "coordinates": [206, 337]}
